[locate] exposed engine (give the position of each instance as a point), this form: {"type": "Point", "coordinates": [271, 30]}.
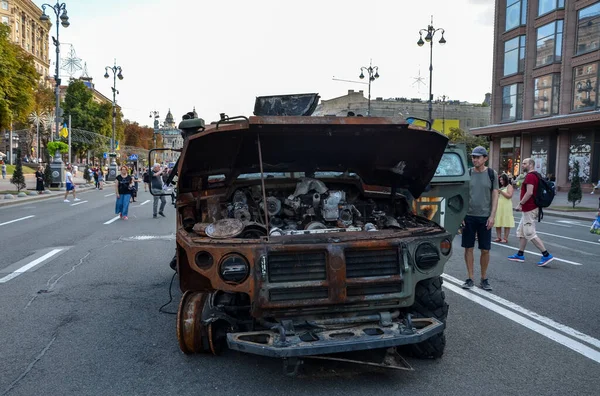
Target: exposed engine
{"type": "Point", "coordinates": [310, 208]}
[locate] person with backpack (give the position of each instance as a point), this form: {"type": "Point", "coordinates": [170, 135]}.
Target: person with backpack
{"type": "Point", "coordinates": [481, 215]}
{"type": "Point", "coordinates": [536, 193]}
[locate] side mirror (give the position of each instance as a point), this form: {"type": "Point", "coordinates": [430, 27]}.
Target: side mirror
{"type": "Point", "coordinates": [166, 178]}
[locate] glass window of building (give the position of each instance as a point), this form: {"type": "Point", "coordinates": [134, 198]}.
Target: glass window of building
{"type": "Point", "coordinates": [585, 86]}
{"type": "Point", "coordinates": [5, 5]}
{"type": "Point", "coordinates": [546, 95]}
{"type": "Point", "coordinates": [516, 13]}
{"type": "Point", "coordinates": [549, 43]}
{"type": "Point", "coordinates": [512, 102]}
{"type": "Point", "coordinates": [514, 55]}
{"type": "Point", "coordinates": [5, 20]}
{"type": "Point", "coordinates": [510, 155]}
{"type": "Point", "coordinates": [588, 29]}
{"type": "Point", "coordinates": [545, 6]}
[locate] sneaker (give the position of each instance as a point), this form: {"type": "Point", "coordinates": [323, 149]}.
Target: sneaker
{"type": "Point", "coordinates": [485, 285]}
{"type": "Point", "coordinates": [76, 199]}
{"type": "Point", "coordinates": [517, 258]}
{"type": "Point", "coordinates": [468, 284]}
{"type": "Point", "coordinates": [545, 260]}
{"type": "Point", "coordinates": [154, 216]}
{"type": "Point", "coordinates": [120, 216]}
{"type": "Point", "coordinates": [125, 218]}
{"type": "Point", "coordinates": [162, 214]}
{"type": "Point", "coordinates": [66, 200]}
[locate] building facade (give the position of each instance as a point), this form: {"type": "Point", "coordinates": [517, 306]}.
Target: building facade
{"type": "Point", "coordinates": [171, 138]}
{"type": "Point", "coordinates": [468, 115]}
{"type": "Point", "coordinates": [27, 31]}
{"type": "Point", "coordinates": [545, 86]}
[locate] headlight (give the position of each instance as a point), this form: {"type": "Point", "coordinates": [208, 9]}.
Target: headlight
{"type": "Point", "coordinates": [426, 256]}
{"type": "Point", "coordinates": [234, 268]}
{"type": "Point", "coordinates": [445, 247]}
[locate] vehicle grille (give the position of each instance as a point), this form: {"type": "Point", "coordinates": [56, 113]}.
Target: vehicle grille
{"type": "Point", "coordinates": [298, 294]}
{"type": "Point", "coordinates": [369, 290]}
{"type": "Point", "coordinates": [297, 267]}
{"type": "Point", "coordinates": [366, 263]}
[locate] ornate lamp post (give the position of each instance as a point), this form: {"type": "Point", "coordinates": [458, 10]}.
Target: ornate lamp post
{"type": "Point", "coordinates": [431, 31]}
{"type": "Point", "coordinates": [373, 72]}
{"type": "Point", "coordinates": [60, 10]}
{"type": "Point", "coordinates": [154, 113]}
{"type": "Point", "coordinates": [117, 73]}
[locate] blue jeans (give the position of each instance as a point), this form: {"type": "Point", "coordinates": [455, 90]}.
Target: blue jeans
{"type": "Point", "coordinates": [122, 205]}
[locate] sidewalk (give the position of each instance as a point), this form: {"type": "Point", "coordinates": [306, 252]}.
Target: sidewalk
{"type": "Point", "coordinates": [560, 200]}
{"type": "Point", "coordinates": [5, 185]}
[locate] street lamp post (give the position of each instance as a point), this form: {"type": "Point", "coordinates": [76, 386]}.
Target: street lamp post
{"type": "Point", "coordinates": [431, 31]}
{"type": "Point", "coordinates": [154, 113]}
{"type": "Point", "coordinates": [117, 73]}
{"type": "Point", "coordinates": [444, 97]}
{"type": "Point", "coordinates": [373, 72]}
{"type": "Point", "coordinates": [60, 10]}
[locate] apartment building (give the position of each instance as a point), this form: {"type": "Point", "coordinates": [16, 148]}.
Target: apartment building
{"type": "Point", "coordinates": [27, 31]}
{"type": "Point", "coordinates": [545, 88]}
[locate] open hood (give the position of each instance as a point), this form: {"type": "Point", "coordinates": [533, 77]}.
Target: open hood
{"type": "Point", "coordinates": [382, 151]}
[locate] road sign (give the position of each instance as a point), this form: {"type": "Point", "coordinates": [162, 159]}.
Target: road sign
{"type": "Point", "coordinates": [105, 155]}
{"type": "Point", "coordinates": [133, 157]}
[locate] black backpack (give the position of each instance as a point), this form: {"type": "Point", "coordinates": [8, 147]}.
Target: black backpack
{"type": "Point", "coordinates": [544, 195]}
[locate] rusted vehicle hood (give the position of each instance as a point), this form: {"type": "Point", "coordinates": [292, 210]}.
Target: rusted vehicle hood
{"type": "Point", "coordinates": [382, 151]}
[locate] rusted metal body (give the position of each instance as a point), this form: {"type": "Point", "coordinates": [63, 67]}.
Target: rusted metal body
{"type": "Point", "coordinates": [286, 294]}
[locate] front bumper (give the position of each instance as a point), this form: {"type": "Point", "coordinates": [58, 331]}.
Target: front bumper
{"type": "Point", "coordinates": [356, 338]}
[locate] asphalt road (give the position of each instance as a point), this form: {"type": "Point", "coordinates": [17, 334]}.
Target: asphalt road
{"type": "Point", "coordinates": [85, 320]}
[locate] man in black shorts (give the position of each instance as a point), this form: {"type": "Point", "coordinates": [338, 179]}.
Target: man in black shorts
{"type": "Point", "coordinates": [480, 217]}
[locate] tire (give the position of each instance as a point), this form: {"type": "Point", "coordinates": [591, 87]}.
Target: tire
{"type": "Point", "coordinates": [430, 301]}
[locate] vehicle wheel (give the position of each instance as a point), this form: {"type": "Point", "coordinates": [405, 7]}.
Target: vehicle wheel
{"type": "Point", "coordinates": [430, 301]}
{"type": "Point", "coordinates": [192, 335]}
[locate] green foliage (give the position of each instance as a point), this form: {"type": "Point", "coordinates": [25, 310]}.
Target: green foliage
{"type": "Point", "coordinates": [575, 193]}
{"type": "Point", "coordinates": [89, 115]}
{"type": "Point", "coordinates": [457, 135]}
{"type": "Point", "coordinates": [18, 80]}
{"type": "Point", "coordinates": [86, 174]}
{"type": "Point", "coordinates": [62, 147]}
{"type": "Point", "coordinates": [18, 179]}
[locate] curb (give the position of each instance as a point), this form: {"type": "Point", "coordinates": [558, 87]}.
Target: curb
{"type": "Point", "coordinates": [571, 216]}
{"type": "Point", "coordinates": [56, 194]}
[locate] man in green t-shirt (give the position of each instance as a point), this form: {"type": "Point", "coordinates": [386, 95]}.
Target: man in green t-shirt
{"type": "Point", "coordinates": [479, 221]}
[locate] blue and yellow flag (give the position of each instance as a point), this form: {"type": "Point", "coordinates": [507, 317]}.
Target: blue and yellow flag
{"type": "Point", "coordinates": [64, 132]}
{"type": "Point", "coordinates": [117, 145]}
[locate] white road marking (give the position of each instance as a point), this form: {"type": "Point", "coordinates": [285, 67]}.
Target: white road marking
{"type": "Point", "coordinates": [78, 203]}
{"type": "Point", "coordinates": [547, 222]}
{"type": "Point", "coordinates": [32, 264]}
{"type": "Point", "coordinates": [14, 221]}
{"type": "Point", "coordinates": [536, 254]}
{"type": "Point", "coordinates": [571, 239]}
{"type": "Point", "coordinates": [575, 223]}
{"type": "Point", "coordinates": [145, 202]}
{"type": "Point", "coordinates": [538, 328]}
{"type": "Point", "coordinates": [113, 220]}
{"type": "Point", "coordinates": [110, 195]}
{"type": "Point", "coordinates": [543, 319]}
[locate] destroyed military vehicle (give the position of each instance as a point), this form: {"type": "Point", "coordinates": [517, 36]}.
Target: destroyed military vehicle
{"type": "Point", "coordinates": [306, 236]}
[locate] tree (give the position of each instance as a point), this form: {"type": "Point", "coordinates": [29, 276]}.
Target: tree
{"type": "Point", "coordinates": [457, 135]}
{"type": "Point", "coordinates": [138, 136]}
{"type": "Point", "coordinates": [18, 80]}
{"type": "Point", "coordinates": [18, 179]}
{"type": "Point", "coordinates": [575, 193]}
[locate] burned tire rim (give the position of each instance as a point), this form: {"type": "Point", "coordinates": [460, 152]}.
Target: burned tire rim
{"type": "Point", "coordinates": [192, 335]}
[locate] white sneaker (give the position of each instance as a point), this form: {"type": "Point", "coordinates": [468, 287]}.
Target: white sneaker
{"type": "Point", "coordinates": [77, 199]}
{"type": "Point", "coordinates": [66, 200]}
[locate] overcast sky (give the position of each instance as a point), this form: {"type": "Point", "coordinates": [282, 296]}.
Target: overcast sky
{"type": "Point", "coordinates": [219, 55]}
